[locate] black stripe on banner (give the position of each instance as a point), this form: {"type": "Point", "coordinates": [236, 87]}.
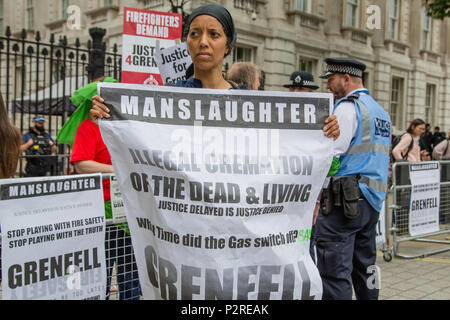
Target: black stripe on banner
{"type": "Point", "coordinates": [424, 167]}
{"type": "Point", "coordinates": [44, 188]}
{"type": "Point", "coordinates": [224, 110]}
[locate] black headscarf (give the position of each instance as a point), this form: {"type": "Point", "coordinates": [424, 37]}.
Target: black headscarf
{"type": "Point", "coordinates": [218, 12]}
{"type": "Point", "coordinates": [225, 19]}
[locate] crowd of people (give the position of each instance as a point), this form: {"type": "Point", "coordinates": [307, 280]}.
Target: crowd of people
{"type": "Point", "coordinates": [348, 208]}
{"type": "Point", "coordinates": [418, 143]}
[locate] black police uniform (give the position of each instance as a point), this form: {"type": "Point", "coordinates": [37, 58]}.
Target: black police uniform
{"type": "Point", "coordinates": [38, 166]}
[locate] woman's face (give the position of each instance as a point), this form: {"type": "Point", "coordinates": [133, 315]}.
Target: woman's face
{"type": "Point", "coordinates": [419, 130]}
{"type": "Point", "coordinates": [207, 43]}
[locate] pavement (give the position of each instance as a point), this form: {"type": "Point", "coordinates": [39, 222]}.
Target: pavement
{"type": "Point", "coordinates": [425, 278]}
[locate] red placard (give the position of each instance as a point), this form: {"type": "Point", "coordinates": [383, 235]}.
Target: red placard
{"type": "Point", "coordinates": [143, 31]}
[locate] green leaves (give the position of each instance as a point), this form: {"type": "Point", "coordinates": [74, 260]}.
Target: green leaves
{"type": "Point", "coordinates": [438, 9]}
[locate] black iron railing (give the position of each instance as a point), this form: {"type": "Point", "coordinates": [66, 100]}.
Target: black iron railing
{"type": "Point", "coordinates": [38, 78]}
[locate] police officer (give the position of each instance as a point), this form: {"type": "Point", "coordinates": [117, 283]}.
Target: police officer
{"type": "Point", "coordinates": [346, 248]}
{"type": "Point", "coordinates": [301, 81]}
{"type": "Point", "coordinates": [38, 145]}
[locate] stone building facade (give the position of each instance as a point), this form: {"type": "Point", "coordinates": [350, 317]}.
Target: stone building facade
{"type": "Point", "coordinates": [407, 54]}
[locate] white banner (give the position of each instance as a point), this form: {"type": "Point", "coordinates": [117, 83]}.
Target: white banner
{"type": "Point", "coordinates": [425, 194]}
{"type": "Point", "coordinates": [219, 188]}
{"type": "Point", "coordinates": [53, 238]}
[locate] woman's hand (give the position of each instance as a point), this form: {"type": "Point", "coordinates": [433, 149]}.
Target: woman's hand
{"type": "Point", "coordinates": [99, 110]}
{"type": "Point", "coordinates": [331, 128]}
{"type": "Point", "coordinates": [424, 155]}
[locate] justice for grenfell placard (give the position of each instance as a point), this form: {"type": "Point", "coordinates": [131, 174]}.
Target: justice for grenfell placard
{"type": "Point", "coordinates": [53, 238]}
{"type": "Point", "coordinates": [219, 188]}
{"type": "Point", "coordinates": [425, 194]}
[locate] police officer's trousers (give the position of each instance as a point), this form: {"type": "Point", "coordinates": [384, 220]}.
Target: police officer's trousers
{"type": "Point", "coordinates": [346, 253]}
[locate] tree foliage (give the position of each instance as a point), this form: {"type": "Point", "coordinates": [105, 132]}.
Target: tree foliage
{"type": "Point", "coordinates": [438, 9]}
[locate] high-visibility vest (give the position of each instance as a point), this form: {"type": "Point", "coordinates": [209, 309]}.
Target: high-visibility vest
{"type": "Point", "coordinates": [368, 154]}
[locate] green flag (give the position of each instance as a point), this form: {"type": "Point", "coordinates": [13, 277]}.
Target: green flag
{"type": "Point", "coordinates": [82, 99]}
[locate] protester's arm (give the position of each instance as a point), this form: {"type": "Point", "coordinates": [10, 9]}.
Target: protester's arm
{"type": "Point", "coordinates": [438, 151]}
{"type": "Point", "coordinates": [90, 166]}
{"type": "Point", "coordinates": [402, 147]}
{"type": "Point", "coordinates": [99, 110]}
{"type": "Point", "coordinates": [84, 151]}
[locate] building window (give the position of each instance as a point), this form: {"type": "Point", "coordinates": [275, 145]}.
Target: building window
{"type": "Point", "coordinates": [247, 5]}
{"type": "Point", "coordinates": [352, 18]}
{"type": "Point", "coordinates": [30, 15]}
{"type": "Point", "coordinates": [429, 102]}
{"type": "Point", "coordinates": [306, 65]}
{"type": "Point", "coordinates": [64, 6]}
{"type": "Point", "coordinates": [109, 3]}
{"type": "Point", "coordinates": [1, 16]}
{"type": "Point", "coordinates": [242, 54]}
{"type": "Point", "coordinates": [153, 3]}
{"type": "Point", "coordinates": [426, 30]}
{"type": "Point", "coordinates": [396, 100]}
{"type": "Point", "coordinates": [393, 19]}
{"type": "Point", "coordinates": [303, 5]}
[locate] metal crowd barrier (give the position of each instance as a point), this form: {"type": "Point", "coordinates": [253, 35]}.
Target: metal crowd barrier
{"type": "Point", "coordinates": [425, 244]}
{"type": "Point", "coordinates": [122, 275]}
{"type": "Point", "coordinates": [58, 164]}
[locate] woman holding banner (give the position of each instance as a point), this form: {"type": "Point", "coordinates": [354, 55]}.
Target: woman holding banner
{"type": "Point", "coordinates": [210, 35]}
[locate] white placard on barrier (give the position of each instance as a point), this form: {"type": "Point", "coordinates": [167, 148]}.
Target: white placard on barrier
{"type": "Point", "coordinates": [53, 238]}
{"type": "Point", "coordinates": [425, 197]}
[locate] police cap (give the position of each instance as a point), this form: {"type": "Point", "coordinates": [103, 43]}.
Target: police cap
{"type": "Point", "coordinates": [38, 119]}
{"type": "Point", "coordinates": [348, 66]}
{"type": "Point", "coordinates": [302, 79]}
